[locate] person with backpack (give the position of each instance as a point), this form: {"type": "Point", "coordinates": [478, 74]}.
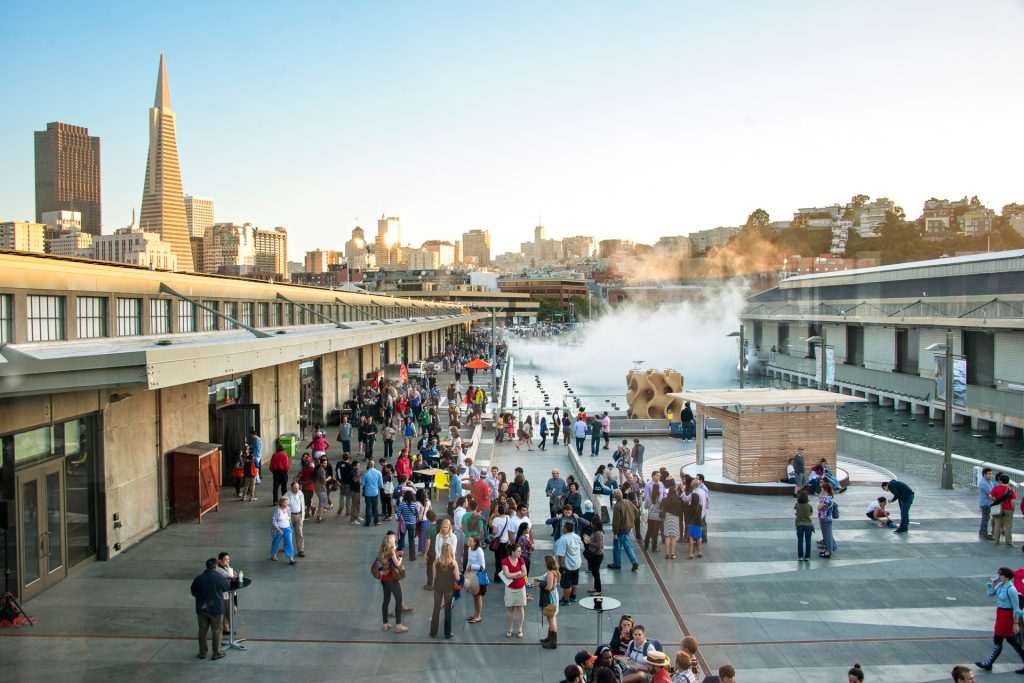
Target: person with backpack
{"type": "Point", "coordinates": [387, 567]}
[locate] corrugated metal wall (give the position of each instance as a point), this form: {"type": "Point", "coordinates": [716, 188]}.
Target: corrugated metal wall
{"type": "Point", "coordinates": [835, 336]}
{"type": "Point", "coordinates": [1010, 357]}
{"type": "Point", "coordinates": [769, 336]}
{"type": "Point", "coordinates": [879, 348]}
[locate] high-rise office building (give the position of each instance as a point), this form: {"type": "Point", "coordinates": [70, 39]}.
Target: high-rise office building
{"type": "Point", "coordinates": [388, 245]}
{"type": "Point", "coordinates": [230, 249]}
{"type": "Point", "coordinates": [199, 214]}
{"type": "Point", "coordinates": [476, 247]}
{"type": "Point", "coordinates": [272, 252]}
{"type": "Point", "coordinates": [68, 173]}
{"type": "Point", "coordinates": [445, 252]}
{"type": "Point", "coordinates": [163, 202]}
{"type": "Point", "coordinates": [137, 247]}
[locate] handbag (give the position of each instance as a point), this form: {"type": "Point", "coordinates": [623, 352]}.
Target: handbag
{"type": "Point", "coordinates": [397, 571]}
{"type": "Point", "coordinates": [835, 510]}
{"type": "Point", "coordinates": [482, 579]}
{"type": "Point", "coordinates": [496, 543]}
{"type": "Point", "coordinates": [472, 583]}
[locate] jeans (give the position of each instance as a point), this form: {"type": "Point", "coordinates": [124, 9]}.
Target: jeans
{"type": "Point", "coordinates": [579, 444]}
{"type": "Point", "coordinates": [621, 543]}
{"type": "Point", "coordinates": [595, 444]}
{"type": "Point", "coordinates": [803, 542]}
{"type": "Point", "coordinates": [286, 536]}
{"type": "Point", "coordinates": [280, 479]}
{"type": "Point", "coordinates": [208, 622]}
{"type": "Point", "coordinates": [389, 448]}
{"type": "Point", "coordinates": [905, 504]}
{"type": "Point", "coordinates": [391, 588]}
{"type": "Point", "coordinates": [387, 509]}
{"type": "Point", "coordinates": [372, 508]}
{"type": "Point", "coordinates": [543, 442]}
{"type": "Point", "coordinates": [410, 534]}
{"type": "Point", "coordinates": [445, 600]}
{"type": "Point", "coordinates": [346, 446]}
{"type": "Point", "coordinates": [826, 535]}
{"type": "Point", "coordinates": [368, 448]}
{"type": "Point", "coordinates": [424, 528]}
{"type": "Point", "coordinates": [986, 511]}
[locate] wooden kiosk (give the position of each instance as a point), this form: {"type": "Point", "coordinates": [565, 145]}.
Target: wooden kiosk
{"type": "Point", "coordinates": [762, 428]}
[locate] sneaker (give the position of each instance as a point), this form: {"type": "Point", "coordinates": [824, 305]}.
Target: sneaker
{"type": "Point", "coordinates": [563, 603]}
{"type": "Point", "coordinates": [572, 598]}
{"type": "Point", "coordinates": [613, 566]}
{"type": "Point", "coordinates": [635, 567]}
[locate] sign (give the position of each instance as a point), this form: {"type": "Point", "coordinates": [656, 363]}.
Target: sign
{"type": "Point", "coordinates": [959, 380]}
{"type": "Point", "coordinates": [830, 366]}
{"type": "Point", "coordinates": [403, 375]}
{"type": "Point", "coordinates": [345, 376]}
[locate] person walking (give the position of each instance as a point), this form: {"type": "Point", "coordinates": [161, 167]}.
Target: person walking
{"type": "Point", "coordinates": [354, 486]}
{"type": "Point", "coordinates": [567, 429]}
{"type": "Point", "coordinates": [636, 457]}
{"type": "Point", "coordinates": [985, 485]}
{"type": "Point", "coordinates": [307, 476]}
{"type": "Point", "coordinates": [279, 471]}
{"type": "Point", "coordinates": [1008, 615]}
{"type": "Point", "coordinates": [208, 589]}
{"type": "Point", "coordinates": [250, 471]}
{"type": "Point", "coordinates": [548, 585]}
{"type": "Point", "coordinates": [826, 511]}
{"type": "Point", "coordinates": [320, 487]}
{"type": "Point", "coordinates": [528, 432]}
{"type": "Point", "coordinates": [623, 520]}
{"type": "Point", "coordinates": [556, 427]}
{"type": "Point", "coordinates": [579, 430]}
{"type": "Point", "coordinates": [606, 428]}
{"type": "Point", "coordinates": [542, 431]}
{"type": "Point", "coordinates": [345, 435]}
{"type": "Point", "coordinates": [372, 482]}
{"type": "Point", "coordinates": [297, 512]}
{"type": "Point", "coordinates": [282, 529]}
{"type": "Point", "coordinates": [513, 570]}
{"type": "Point", "coordinates": [903, 494]}
{"type": "Point", "coordinates": [445, 577]}
{"type": "Point", "coordinates": [595, 436]}
{"type": "Point", "coordinates": [804, 526]}
{"type": "Point", "coordinates": [389, 568]}
{"type": "Point", "coordinates": [408, 514]}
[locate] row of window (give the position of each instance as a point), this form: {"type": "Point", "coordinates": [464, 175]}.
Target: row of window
{"type": "Point", "coordinates": [46, 316]}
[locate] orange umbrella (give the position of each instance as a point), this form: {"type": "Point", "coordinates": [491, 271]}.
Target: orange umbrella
{"type": "Point", "coordinates": [477, 364]}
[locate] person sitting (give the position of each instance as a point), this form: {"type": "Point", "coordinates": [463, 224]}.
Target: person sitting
{"type": "Point", "coordinates": [877, 513]}
{"type": "Point", "coordinates": [790, 474]}
{"type": "Point", "coordinates": [640, 647]}
{"type": "Point", "coordinates": [825, 472]}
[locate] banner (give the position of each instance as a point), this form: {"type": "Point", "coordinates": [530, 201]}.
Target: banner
{"type": "Point", "coordinates": [959, 380]}
{"type": "Point", "coordinates": [830, 366]}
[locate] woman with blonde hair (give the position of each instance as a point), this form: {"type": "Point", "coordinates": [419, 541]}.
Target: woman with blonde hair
{"type": "Point", "coordinates": [391, 572]}
{"type": "Point", "coordinates": [548, 585]}
{"type": "Point", "coordinates": [446, 575]}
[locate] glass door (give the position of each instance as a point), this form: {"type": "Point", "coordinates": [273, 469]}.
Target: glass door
{"type": "Point", "coordinates": [42, 550]}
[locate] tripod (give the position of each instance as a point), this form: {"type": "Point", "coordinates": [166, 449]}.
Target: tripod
{"type": "Point", "coordinates": [8, 600]}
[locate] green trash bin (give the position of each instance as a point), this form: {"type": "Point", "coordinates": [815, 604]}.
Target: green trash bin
{"type": "Point", "coordinates": [288, 442]}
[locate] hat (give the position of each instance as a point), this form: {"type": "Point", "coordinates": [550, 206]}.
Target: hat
{"type": "Point", "coordinates": [584, 657]}
{"type": "Point", "coordinates": [587, 505]}
{"type": "Point", "coordinates": [655, 658]}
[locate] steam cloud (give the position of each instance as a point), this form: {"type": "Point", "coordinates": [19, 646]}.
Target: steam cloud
{"type": "Point", "coordinates": [690, 337]}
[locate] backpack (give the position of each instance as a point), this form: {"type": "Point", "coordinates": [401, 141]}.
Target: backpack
{"type": "Point", "coordinates": [835, 510]}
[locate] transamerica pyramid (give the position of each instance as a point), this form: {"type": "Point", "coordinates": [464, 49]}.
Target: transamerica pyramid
{"type": "Point", "coordinates": [163, 202]}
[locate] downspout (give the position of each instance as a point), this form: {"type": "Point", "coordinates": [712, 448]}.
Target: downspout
{"type": "Point", "coordinates": [161, 487]}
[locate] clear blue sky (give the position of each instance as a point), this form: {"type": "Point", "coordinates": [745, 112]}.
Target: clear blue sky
{"type": "Point", "coordinates": [607, 118]}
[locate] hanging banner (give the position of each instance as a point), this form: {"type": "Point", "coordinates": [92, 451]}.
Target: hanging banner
{"type": "Point", "coordinates": [959, 380]}
{"type": "Point", "coordinates": [830, 365]}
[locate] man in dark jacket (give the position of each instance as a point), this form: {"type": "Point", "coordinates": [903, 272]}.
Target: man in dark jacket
{"type": "Point", "coordinates": [208, 589]}
{"type": "Point", "coordinates": [905, 496]}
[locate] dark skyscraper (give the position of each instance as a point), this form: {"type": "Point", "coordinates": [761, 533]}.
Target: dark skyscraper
{"type": "Point", "coordinates": [68, 173]}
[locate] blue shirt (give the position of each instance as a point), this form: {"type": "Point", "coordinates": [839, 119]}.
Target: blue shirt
{"type": "Point", "coordinates": [1006, 597]}
{"type": "Point", "coordinates": [456, 488]}
{"type": "Point", "coordinates": [570, 546]}
{"type": "Point", "coordinates": [346, 432]}
{"type": "Point", "coordinates": [372, 482]}
{"type": "Point", "coordinates": [984, 488]}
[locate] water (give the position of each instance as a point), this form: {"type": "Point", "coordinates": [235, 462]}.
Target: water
{"type": "Point", "coordinates": [541, 367]}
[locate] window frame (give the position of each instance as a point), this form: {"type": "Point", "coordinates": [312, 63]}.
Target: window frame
{"type": "Point", "coordinates": [96, 320]}
{"type": "Point", "coordinates": [53, 322]}
{"type": "Point", "coordinates": [124, 319]}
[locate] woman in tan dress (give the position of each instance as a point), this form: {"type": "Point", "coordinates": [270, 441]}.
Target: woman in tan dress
{"type": "Point", "coordinates": [446, 575]}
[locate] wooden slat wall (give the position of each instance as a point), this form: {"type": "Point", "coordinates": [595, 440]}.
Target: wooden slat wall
{"type": "Point", "coordinates": [756, 446]}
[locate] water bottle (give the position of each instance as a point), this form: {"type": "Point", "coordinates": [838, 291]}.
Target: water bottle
{"type": "Point", "coordinates": [241, 578]}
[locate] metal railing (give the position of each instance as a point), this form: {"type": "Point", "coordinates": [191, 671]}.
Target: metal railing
{"type": "Point", "coordinates": [904, 457]}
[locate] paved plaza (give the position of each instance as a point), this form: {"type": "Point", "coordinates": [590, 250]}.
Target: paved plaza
{"type": "Point", "coordinates": [906, 607]}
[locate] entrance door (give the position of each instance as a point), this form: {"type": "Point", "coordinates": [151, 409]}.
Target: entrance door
{"type": "Point", "coordinates": [41, 527]}
{"type": "Point", "coordinates": [236, 423]}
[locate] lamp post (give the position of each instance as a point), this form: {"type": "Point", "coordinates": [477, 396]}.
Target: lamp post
{"type": "Point", "coordinates": [820, 339]}
{"type": "Point", "coordinates": [740, 335]}
{"type": "Point", "coordinates": [946, 476]}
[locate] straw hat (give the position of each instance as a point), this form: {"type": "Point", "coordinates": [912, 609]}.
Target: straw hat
{"type": "Point", "coordinates": [655, 658]}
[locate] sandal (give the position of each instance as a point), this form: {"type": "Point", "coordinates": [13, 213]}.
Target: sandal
{"type": "Point", "coordinates": [475, 620]}
{"type": "Point", "coordinates": [401, 628]}
{"type": "Point", "coordinates": [700, 555]}
{"type": "Point", "coordinates": [387, 627]}
{"type": "Point", "coordinates": [519, 634]}
{"type": "Point", "coordinates": [508, 634]}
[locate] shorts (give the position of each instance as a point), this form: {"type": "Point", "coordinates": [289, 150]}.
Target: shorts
{"type": "Point", "coordinates": [322, 497]}
{"type": "Point", "coordinates": [871, 515]}
{"type": "Point", "coordinates": [570, 578]}
{"type": "Point", "coordinates": [515, 597]}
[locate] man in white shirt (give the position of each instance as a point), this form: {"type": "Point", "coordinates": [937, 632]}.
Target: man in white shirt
{"type": "Point", "coordinates": [517, 518]}
{"type": "Point", "coordinates": [494, 483]}
{"type": "Point", "coordinates": [296, 508]}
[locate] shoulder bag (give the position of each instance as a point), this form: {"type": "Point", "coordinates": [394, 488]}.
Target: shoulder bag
{"type": "Point", "coordinates": [496, 542]}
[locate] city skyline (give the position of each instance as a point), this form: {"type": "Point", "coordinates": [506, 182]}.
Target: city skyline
{"type": "Point", "coordinates": [658, 120]}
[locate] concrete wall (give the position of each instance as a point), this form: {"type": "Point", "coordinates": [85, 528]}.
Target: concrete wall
{"type": "Point", "coordinates": [131, 457]}
{"type": "Point", "coordinates": [879, 348]}
{"type": "Point", "coordinates": [183, 418]}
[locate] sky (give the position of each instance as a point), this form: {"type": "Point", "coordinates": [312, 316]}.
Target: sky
{"type": "Point", "coordinates": [619, 120]}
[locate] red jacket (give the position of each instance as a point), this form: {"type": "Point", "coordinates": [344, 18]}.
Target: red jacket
{"type": "Point", "coordinates": [279, 462]}
{"type": "Point", "coordinates": [318, 445]}
{"type": "Point", "coordinates": [403, 466]}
